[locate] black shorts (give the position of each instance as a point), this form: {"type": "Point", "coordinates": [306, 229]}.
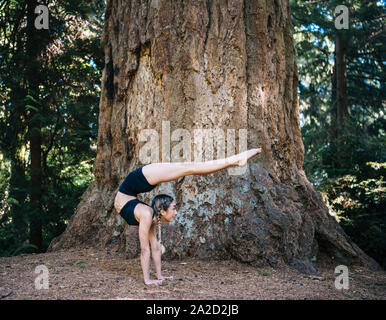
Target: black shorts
{"type": "Point", "coordinates": [135, 183]}
{"type": "Point", "coordinates": [127, 212]}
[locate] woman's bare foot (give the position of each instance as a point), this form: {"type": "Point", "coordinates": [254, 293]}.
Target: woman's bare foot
{"type": "Point", "coordinates": [242, 158]}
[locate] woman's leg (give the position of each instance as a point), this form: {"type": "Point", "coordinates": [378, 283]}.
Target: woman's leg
{"type": "Point", "coordinates": [156, 173]}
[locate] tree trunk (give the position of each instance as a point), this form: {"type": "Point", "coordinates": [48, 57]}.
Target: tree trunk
{"type": "Point", "coordinates": [33, 47]}
{"type": "Point", "coordinates": [334, 103]}
{"type": "Point", "coordinates": [225, 65]}
{"type": "Point", "coordinates": [339, 110]}
{"type": "Point", "coordinates": [341, 83]}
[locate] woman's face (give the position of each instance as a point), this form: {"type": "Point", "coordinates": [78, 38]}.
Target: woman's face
{"type": "Point", "coordinates": [169, 214]}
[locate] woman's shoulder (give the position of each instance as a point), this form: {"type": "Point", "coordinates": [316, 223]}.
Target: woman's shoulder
{"type": "Point", "coordinates": [144, 210]}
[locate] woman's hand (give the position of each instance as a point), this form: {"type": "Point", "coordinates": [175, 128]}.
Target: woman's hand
{"type": "Point", "coordinates": [165, 278]}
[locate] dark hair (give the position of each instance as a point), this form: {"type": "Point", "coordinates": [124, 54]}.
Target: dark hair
{"type": "Point", "coordinates": [161, 202]}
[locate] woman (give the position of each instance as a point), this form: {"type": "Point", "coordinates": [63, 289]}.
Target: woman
{"type": "Point", "coordinates": [163, 208]}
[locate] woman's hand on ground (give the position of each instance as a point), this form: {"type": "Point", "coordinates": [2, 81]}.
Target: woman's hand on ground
{"type": "Point", "coordinates": [165, 278]}
{"type": "Point", "coordinates": [156, 282]}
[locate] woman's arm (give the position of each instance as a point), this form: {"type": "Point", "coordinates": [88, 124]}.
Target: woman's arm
{"type": "Point", "coordinates": [144, 228]}
{"type": "Point", "coordinates": [156, 253]}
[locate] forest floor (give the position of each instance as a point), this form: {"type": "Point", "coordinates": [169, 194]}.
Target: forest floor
{"type": "Point", "coordinates": [99, 274]}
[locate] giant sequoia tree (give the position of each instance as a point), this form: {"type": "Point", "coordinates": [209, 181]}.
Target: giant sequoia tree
{"type": "Point", "coordinates": [227, 66]}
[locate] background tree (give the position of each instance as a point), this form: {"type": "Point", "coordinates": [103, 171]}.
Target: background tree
{"type": "Point", "coordinates": [344, 137]}
{"type": "Point", "coordinates": [49, 104]}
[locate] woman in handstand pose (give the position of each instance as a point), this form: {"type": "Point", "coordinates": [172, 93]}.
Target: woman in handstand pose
{"type": "Point", "coordinates": [163, 208]}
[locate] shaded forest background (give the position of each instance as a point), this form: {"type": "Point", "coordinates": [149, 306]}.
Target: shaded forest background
{"type": "Point", "coordinates": [49, 95]}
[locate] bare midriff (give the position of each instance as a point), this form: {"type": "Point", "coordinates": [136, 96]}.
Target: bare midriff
{"type": "Point", "coordinates": [121, 199]}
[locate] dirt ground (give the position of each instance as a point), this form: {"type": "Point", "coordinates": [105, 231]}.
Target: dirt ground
{"type": "Point", "coordinates": [99, 274]}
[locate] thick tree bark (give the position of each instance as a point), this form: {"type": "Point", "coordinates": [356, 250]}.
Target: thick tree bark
{"type": "Point", "coordinates": [219, 65]}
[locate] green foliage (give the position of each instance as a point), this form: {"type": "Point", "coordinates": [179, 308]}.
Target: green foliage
{"type": "Point", "coordinates": [360, 204]}
{"type": "Point", "coordinates": [67, 69]}
{"type": "Point", "coordinates": [348, 168]}
{"type": "Point", "coordinates": [22, 248]}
